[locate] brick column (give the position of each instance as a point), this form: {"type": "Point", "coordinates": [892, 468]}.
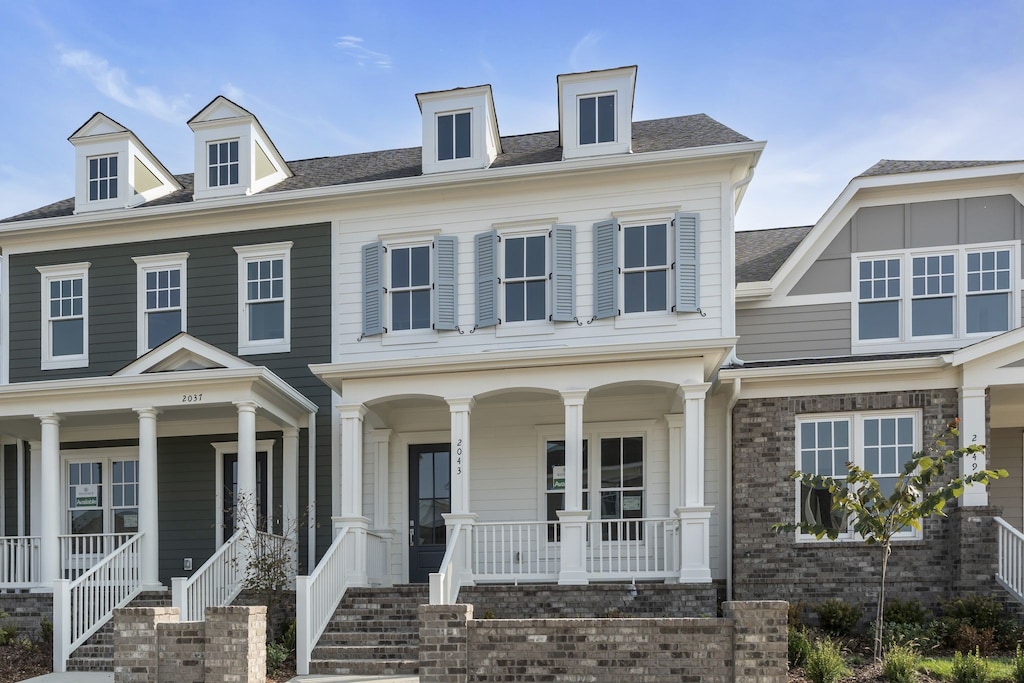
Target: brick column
{"type": "Point", "coordinates": [136, 654]}
{"type": "Point", "coordinates": [236, 644]}
{"type": "Point", "coordinates": [975, 549]}
{"type": "Point", "coordinates": [760, 640]}
{"type": "Point", "coordinates": [444, 636]}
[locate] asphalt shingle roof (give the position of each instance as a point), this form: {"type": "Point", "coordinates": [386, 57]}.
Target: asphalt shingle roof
{"type": "Point", "coordinates": [759, 253]}
{"type": "Point", "coordinates": [892, 167]}
{"type": "Point", "coordinates": [681, 132]}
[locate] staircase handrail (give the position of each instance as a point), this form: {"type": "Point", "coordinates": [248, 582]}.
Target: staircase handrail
{"type": "Point", "coordinates": [219, 580]}
{"type": "Point", "coordinates": [317, 597]}
{"type": "Point", "coordinates": [82, 606]}
{"type": "Point", "coordinates": [445, 583]}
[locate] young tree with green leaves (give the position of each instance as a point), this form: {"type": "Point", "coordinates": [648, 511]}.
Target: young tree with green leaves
{"type": "Point", "coordinates": [922, 490]}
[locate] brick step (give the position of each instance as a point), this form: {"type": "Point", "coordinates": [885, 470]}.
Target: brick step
{"type": "Point", "coordinates": [410, 638]}
{"type": "Point", "coordinates": [362, 652]}
{"type": "Point", "coordinates": [384, 617]}
{"type": "Point", "coordinates": [365, 667]}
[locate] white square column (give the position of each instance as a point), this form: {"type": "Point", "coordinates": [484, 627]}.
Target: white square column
{"type": "Point", "coordinates": [246, 503]}
{"type": "Point", "coordinates": [687, 486]}
{"type": "Point", "coordinates": [149, 517]}
{"type": "Point", "coordinates": [972, 431]}
{"type": "Point", "coordinates": [352, 491]}
{"type": "Point", "coordinates": [50, 498]}
{"type": "Point", "coordinates": [460, 409]}
{"type": "Point", "coordinates": [573, 518]}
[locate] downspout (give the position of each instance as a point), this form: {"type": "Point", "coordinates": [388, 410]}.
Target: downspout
{"type": "Point", "coordinates": [311, 496]}
{"type": "Point", "coordinates": [734, 396]}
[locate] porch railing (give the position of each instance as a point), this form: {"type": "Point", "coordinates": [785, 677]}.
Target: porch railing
{"type": "Point", "coordinates": [19, 561]}
{"type": "Point", "coordinates": [81, 606]}
{"type": "Point", "coordinates": [449, 578]}
{"type": "Point", "coordinates": [515, 551]}
{"type": "Point", "coordinates": [633, 548]}
{"type": "Point", "coordinates": [1010, 572]}
{"type": "Point", "coordinates": [214, 584]}
{"type": "Point", "coordinates": [80, 552]}
{"type": "Point", "coordinates": [317, 595]}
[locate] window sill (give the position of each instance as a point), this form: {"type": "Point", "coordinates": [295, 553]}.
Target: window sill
{"type": "Point", "coordinates": [811, 541]}
{"type": "Point", "coordinates": [63, 363]}
{"type": "Point", "coordinates": [637, 320]}
{"type": "Point", "coordinates": [409, 337]}
{"type": "Point", "coordinates": [524, 329]}
{"type": "Point", "coordinates": [253, 348]}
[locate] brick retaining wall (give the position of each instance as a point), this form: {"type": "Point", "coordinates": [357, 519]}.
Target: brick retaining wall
{"type": "Point", "coordinates": [26, 611]}
{"type": "Point", "coordinates": [546, 601]}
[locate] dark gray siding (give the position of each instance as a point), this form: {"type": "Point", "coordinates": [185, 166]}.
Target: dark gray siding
{"type": "Point", "coordinates": [186, 484]}
{"type": "Point", "coordinates": [10, 484]}
{"type": "Point", "coordinates": [793, 332]}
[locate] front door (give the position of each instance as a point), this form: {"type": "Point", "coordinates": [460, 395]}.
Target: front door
{"type": "Point", "coordinates": [430, 496]}
{"type": "Point", "coordinates": [231, 493]}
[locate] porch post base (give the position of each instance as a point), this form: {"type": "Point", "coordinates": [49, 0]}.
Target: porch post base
{"type": "Point", "coordinates": [355, 562]}
{"type": "Point", "coordinates": [694, 544]}
{"type": "Point", "coordinates": [573, 570]}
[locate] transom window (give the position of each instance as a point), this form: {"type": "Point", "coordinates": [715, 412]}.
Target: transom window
{"type": "Point", "coordinates": [933, 297]}
{"type": "Point", "coordinates": [102, 178]}
{"type": "Point", "coordinates": [645, 268]}
{"type": "Point", "coordinates": [597, 119]}
{"type": "Point", "coordinates": [65, 331]}
{"type": "Point", "coordinates": [881, 443]}
{"type": "Point", "coordinates": [525, 278]}
{"type": "Point", "coordinates": [264, 298]}
{"type": "Point", "coordinates": [410, 288]}
{"type": "Point", "coordinates": [223, 159]}
{"type": "Point", "coordinates": [161, 298]}
{"type": "Point", "coordinates": [454, 136]}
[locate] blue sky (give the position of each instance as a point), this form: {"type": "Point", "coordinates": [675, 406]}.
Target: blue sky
{"type": "Point", "coordinates": [831, 86]}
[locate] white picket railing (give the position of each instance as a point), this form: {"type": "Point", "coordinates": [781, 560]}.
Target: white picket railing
{"type": "Point", "coordinates": [446, 582]}
{"type": "Point", "coordinates": [19, 561]}
{"type": "Point", "coordinates": [1010, 574]}
{"type": "Point", "coordinates": [633, 548]}
{"type": "Point", "coordinates": [82, 606]}
{"type": "Point", "coordinates": [214, 584]}
{"type": "Point", "coordinates": [317, 595]}
{"type": "Point", "coordinates": [515, 551]}
{"type": "Point", "coordinates": [378, 558]}
{"type": "Point", "coordinates": [80, 552]}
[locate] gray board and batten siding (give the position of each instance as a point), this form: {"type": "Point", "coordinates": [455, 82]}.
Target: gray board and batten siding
{"type": "Point", "coordinates": [186, 470]}
{"type": "Point", "coordinates": [824, 330]}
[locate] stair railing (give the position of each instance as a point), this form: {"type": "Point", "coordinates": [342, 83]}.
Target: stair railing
{"type": "Point", "coordinates": [317, 596]}
{"type": "Point", "coordinates": [450, 577]}
{"type": "Point", "coordinates": [1010, 567]}
{"type": "Point", "coordinates": [82, 606]}
{"type": "Point", "coordinates": [214, 584]}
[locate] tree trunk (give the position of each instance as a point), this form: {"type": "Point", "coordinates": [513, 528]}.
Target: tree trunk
{"type": "Point", "coordinates": [880, 612]}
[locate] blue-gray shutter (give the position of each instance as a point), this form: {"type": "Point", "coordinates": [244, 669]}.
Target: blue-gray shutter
{"type": "Point", "coordinates": [687, 229]}
{"type": "Point", "coordinates": [563, 272]}
{"type": "Point", "coordinates": [373, 289]}
{"type": "Point", "coordinates": [606, 269]}
{"type": "Point", "coordinates": [446, 258]}
{"type": "Point", "coordinates": [486, 279]}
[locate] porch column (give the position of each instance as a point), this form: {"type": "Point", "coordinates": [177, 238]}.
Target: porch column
{"type": "Point", "coordinates": [380, 450]}
{"type": "Point", "coordinates": [694, 517]}
{"type": "Point", "coordinates": [972, 431]}
{"type": "Point", "coordinates": [573, 519]}
{"type": "Point", "coordinates": [51, 502]}
{"type": "Point", "coordinates": [246, 507]}
{"type": "Point", "coordinates": [290, 488]}
{"type": "Point", "coordinates": [149, 524]}
{"type": "Point", "coordinates": [460, 457]}
{"type": "Point", "coordinates": [352, 491]}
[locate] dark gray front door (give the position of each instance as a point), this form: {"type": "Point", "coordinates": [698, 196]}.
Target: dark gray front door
{"type": "Point", "coordinates": [430, 495]}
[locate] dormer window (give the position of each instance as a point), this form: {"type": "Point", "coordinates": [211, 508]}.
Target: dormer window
{"type": "Point", "coordinates": [597, 119]}
{"type": "Point", "coordinates": [223, 163]}
{"type": "Point", "coordinates": [102, 178]}
{"type": "Point", "coordinates": [454, 136]}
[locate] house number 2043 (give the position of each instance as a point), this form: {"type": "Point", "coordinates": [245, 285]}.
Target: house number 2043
{"type": "Point", "coordinates": [191, 398]}
{"type": "Point", "coordinates": [458, 457]}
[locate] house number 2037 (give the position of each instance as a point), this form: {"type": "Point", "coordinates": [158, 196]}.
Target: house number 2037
{"type": "Point", "coordinates": [458, 457]}
{"type": "Point", "coordinates": [191, 398]}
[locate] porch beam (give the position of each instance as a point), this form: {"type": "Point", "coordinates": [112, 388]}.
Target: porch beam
{"type": "Point", "coordinates": [460, 453]}
{"type": "Point", "coordinates": [51, 502]}
{"type": "Point", "coordinates": [149, 521]}
{"type": "Point", "coordinates": [973, 431]}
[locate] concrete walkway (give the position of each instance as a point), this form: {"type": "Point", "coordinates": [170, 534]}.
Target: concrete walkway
{"type": "Point", "coordinates": [74, 677]}
{"type": "Point", "coordinates": [321, 678]}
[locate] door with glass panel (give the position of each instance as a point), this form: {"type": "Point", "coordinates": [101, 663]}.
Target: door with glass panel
{"type": "Point", "coordinates": [229, 514]}
{"type": "Point", "coordinates": [102, 510]}
{"type": "Point", "coordinates": [430, 497]}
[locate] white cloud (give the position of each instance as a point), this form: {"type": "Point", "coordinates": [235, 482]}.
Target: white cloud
{"type": "Point", "coordinates": [353, 46]}
{"type": "Point", "coordinates": [113, 82]}
{"type": "Point", "coordinates": [581, 51]}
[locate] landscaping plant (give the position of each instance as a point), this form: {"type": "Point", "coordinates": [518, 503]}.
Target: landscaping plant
{"type": "Point", "coordinates": [900, 664]}
{"type": "Point", "coordinates": [923, 489]}
{"type": "Point", "coordinates": [799, 646]}
{"type": "Point", "coordinates": [1018, 666]}
{"type": "Point", "coordinates": [969, 668]}
{"type": "Point", "coordinates": [837, 618]}
{"type": "Point", "coordinates": [825, 663]}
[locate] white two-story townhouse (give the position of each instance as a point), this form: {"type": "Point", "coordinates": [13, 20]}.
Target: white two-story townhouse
{"type": "Point", "coordinates": [861, 338]}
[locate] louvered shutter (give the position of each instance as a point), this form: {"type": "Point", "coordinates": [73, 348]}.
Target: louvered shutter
{"type": "Point", "coordinates": [687, 234]}
{"type": "Point", "coordinates": [563, 272]}
{"type": "Point", "coordinates": [486, 279]}
{"type": "Point", "coordinates": [446, 252]}
{"type": "Point", "coordinates": [606, 269]}
{"type": "Point", "coordinates": [373, 289]}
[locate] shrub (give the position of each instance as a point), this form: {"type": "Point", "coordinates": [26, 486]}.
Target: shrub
{"type": "Point", "coordinates": [277, 655]}
{"type": "Point", "coordinates": [795, 614]}
{"type": "Point", "coordinates": [969, 668]}
{"type": "Point", "coordinates": [825, 662]}
{"type": "Point", "coordinates": [980, 613]}
{"type": "Point", "coordinates": [799, 646]}
{"type": "Point", "coordinates": [906, 612]}
{"type": "Point", "coordinates": [969, 639]}
{"type": "Point", "coordinates": [900, 664]}
{"type": "Point", "coordinates": [921, 637]}
{"type": "Point", "coordinates": [838, 618]}
{"type": "Point", "coordinates": [46, 631]}
{"type": "Point", "coordinates": [8, 634]}
{"type": "Point", "coordinates": [1018, 666]}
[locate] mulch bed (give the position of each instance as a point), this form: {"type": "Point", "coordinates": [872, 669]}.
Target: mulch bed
{"type": "Point", "coordinates": [868, 673]}
{"type": "Point", "coordinates": [18, 662]}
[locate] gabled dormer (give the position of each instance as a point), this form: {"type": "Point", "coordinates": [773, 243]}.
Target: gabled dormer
{"type": "Point", "coordinates": [113, 169]}
{"type": "Point", "coordinates": [595, 112]}
{"type": "Point", "coordinates": [460, 129]}
{"type": "Point", "coordinates": [234, 155]}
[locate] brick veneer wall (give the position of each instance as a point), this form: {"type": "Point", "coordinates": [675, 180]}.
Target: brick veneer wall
{"type": "Point", "coordinates": [595, 600]}
{"type": "Point", "coordinates": [26, 611]}
{"type": "Point", "coordinates": [956, 553]}
{"type": "Point", "coordinates": [748, 645]}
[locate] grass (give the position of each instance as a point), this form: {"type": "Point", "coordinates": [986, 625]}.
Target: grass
{"type": "Point", "coordinates": [1000, 668]}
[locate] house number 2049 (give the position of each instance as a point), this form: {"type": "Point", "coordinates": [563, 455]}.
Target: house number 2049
{"type": "Point", "coordinates": [191, 398]}
{"type": "Point", "coordinates": [458, 457]}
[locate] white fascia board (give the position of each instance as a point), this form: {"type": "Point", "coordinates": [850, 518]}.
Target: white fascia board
{"type": "Point", "coordinates": [988, 347]}
{"type": "Point", "coordinates": [837, 370]}
{"type": "Point", "coordinates": [123, 220]}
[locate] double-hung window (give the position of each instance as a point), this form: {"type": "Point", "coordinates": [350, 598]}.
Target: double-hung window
{"type": "Point", "coordinates": [988, 290]}
{"type": "Point", "coordinates": [161, 299]}
{"type": "Point", "coordinates": [410, 288]}
{"type": "Point", "coordinates": [933, 295]}
{"type": "Point", "coordinates": [879, 442]}
{"type": "Point", "coordinates": [102, 495]}
{"type": "Point", "coordinates": [454, 136]}
{"type": "Point", "coordinates": [102, 178]}
{"type": "Point", "coordinates": [526, 275]}
{"type": "Point", "coordinates": [65, 316]}
{"type": "Point", "coordinates": [645, 268]}
{"type": "Point", "coordinates": [223, 163]}
{"type": "Point", "coordinates": [597, 118]}
{"type": "Point", "coordinates": [264, 298]}
{"type": "Point", "coordinates": [879, 306]}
